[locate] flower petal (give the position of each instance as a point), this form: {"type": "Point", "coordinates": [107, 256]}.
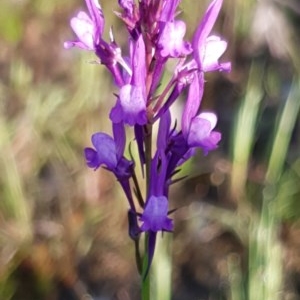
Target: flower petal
{"type": "Point", "coordinates": [155, 215]}
{"type": "Point", "coordinates": [168, 11]}
{"type": "Point", "coordinates": [82, 25]}
{"type": "Point", "coordinates": [96, 14]}
{"type": "Point", "coordinates": [205, 28]}
{"type": "Point", "coordinates": [171, 41]}
{"type": "Point", "coordinates": [214, 48]}
{"type": "Point", "coordinates": [193, 102]}
{"type": "Point", "coordinates": [106, 149]}
{"type": "Point", "coordinates": [120, 138]}
{"type": "Point", "coordinates": [138, 61]}
{"type": "Point", "coordinates": [163, 131]}
{"type": "Point", "coordinates": [92, 159]}
{"type": "Point", "coordinates": [201, 134]}
{"type": "Point", "coordinates": [130, 107]}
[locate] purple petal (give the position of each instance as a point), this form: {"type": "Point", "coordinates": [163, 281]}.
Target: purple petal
{"type": "Point", "coordinates": [193, 102]}
{"type": "Point", "coordinates": [92, 159]}
{"type": "Point", "coordinates": [201, 134]}
{"type": "Point", "coordinates": [205, 28]}
{"type": "Point", "coordinates": [106, 149]}
{"type": "Point", "coordinates": [120, 138]}
{"type": "Point", "coordinates": [116, 113]}
{"type": "Point", "coordinates": [168, 11]}
{"type": "Point", "coordinates": [171, 40]}
{"type": "Point", "coordinates": [211, 52]}
{"type": "Point", "coordinates": [155, 216]}
{"type": "Point", "coordinates": [138, 61]}
{"type": "Point", "coordinates": [83, 27]}
{"type": "Point", "coordinates": [158, 173]}
{"type": "Point", "coordinates": [124, 169]}
{"type": "Point", "coordinates": [130, 107]}
{"type": "Point", "coordinates": [163, 132]}
{"type": "Point", "coordinates": [96, 14]}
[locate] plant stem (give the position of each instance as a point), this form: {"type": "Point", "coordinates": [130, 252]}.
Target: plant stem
{"type": "Point", "coordinates": [148, 155]}
{"type": "Point", "coordinates": [145, 280]}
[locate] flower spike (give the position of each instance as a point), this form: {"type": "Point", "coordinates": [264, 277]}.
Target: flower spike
{"type": "Point", "coordinates": [154, 37]}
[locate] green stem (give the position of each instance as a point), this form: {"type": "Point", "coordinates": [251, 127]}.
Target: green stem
{"type": "Point", "coordinates": [145, 280]}
{"type": "Point", "coordinates": [148, 156]}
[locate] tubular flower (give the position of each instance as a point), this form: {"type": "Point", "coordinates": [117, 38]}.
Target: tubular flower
{"type": "Point", "coordinates": [198, 130]}
{"type": "Point", "coordinates": [109, 152]}
{"type": "Point", "coordinates": [88, 28]}
{"type": "Point", "coordinates": [105, 153]}
{"type": "Point", "coordinates": [155, 215]}
{"type": "Point", "coordinates": [171, 41]}
{"type": "Point", "coordinates": [208, 49]}
{"type": "Point", "coordinates": [201, 132]}
{"type": "Point", "coordinates": [131, 103]}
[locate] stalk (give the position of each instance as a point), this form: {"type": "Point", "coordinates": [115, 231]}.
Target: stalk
{"type": "Point", "coordinates": [148, 151]}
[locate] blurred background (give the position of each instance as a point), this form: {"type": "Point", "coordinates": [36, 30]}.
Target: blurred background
{"type": "Point", "coordinates": [63, 227]}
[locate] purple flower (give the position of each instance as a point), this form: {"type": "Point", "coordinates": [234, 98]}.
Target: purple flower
{"type": "Point", "coordinates": [208, 49]}
{"type": "Point", "coordinates": [130, 107]}
{"type": "Point", "coordinates": [154, 37]}
{"type": "Point", "coordinates": [109, 152]}
{"type": "Point", "coordinates": [131, 103]}
{"type": "Point", "coordinates": [105, 153]}
{"type": "Point", "coordinates": [170, 43]}
{"type": "Point", "coordinates": [88, 29]}
{"type": "Point", "coordinates": [154, 217]}
{"type": "Point", "coordinates": [201, 132]}
{"type": "Point", "coordinates": [198, 130]}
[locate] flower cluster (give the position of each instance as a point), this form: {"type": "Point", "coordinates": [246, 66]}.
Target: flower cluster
{"type": "Point", "coordinates": [155, 35]}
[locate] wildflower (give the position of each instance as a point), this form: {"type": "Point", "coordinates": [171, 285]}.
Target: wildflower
{"type": "Point", "coordinates": [208, 49]}
{"type": "Point", "coordinates": [109, 152]}
{"type": "Point", "coordinates": [154, 37]}
{"type": "Point", "coordinates": [155, 215]}
{"type": "Point", "coordinates": [131, 103]}
{"type": "Point", "coordinates": [171, 41]}
{"type": "Point", "coordinates": [88, 29]}
{"type": "Point", "coordinates": [105, 153]}
{"type": "Point", "coordinates": [198, 130]}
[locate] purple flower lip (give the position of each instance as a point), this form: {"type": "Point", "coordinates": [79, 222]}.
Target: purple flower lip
{"type": "Point", "coordinates": [170, 43]}
{"type": "Point", "coordinates": [154, 217]}
{"type": "Point", "coordinates": [106, 153]}
{"type": "Point", "coordinates": [201, 132]}
{"type": "Point", "coordinates": [130, 107]}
